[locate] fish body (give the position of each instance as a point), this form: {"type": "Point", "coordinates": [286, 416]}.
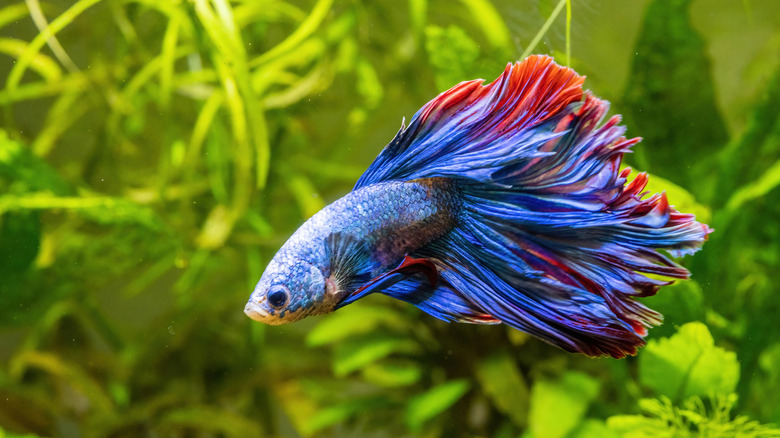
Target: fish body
{"type": "Point", "coordinates": [499, 203]}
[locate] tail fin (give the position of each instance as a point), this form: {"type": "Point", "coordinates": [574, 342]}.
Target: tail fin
{"type": "Point", "coordinates": [552, 239]}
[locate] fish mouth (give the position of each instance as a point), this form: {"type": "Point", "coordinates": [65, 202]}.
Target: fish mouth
{"type": "Point", "coordinates": [254, 311]}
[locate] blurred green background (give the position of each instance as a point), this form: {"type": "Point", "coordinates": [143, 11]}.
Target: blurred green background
{"type": "Point", "coordinates": [154, 154]}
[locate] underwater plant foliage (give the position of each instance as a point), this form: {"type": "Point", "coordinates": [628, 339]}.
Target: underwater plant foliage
{"type": "Point", "coordinates": [154, 155]}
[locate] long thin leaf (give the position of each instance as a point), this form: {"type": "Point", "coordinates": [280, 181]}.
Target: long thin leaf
{"type": "Point", "coordinates": [491, 23]}
{"type": "Point", "coordinates": [760, 187]}
{"type": "Point", "coordinates": [40, 63]}
{"type": "Point", "coordinates": [67, 17]}
{"type": "Point", "coordinates": [54, 44]}
{"type": "Point", "coordinates": [12, 13]}
{"type": "Point", "coordinates": [545, 27]}
{"type": "Point", "coordinates": [423, 407]}
{"type": "Point", "coordinates": [66, 373]}
{"type": "Point", "coordinates": [168, 58]}
{"type": "Point", "coordinates": [308, 27]}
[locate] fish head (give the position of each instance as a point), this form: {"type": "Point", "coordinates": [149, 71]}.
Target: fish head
{"type": "Point", "coordinates": [289, 290]}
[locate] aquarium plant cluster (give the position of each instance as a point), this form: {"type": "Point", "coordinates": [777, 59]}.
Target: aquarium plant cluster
{"type": "Point", "coordinates": [154, 155]}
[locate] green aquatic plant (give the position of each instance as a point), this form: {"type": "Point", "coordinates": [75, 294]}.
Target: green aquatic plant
{"type": "Point", "coordinates": [155, 154]}
{"type": "Point", "coordinates": [694, 382]}
{"type": "Point", "coordinates": [693, 418]}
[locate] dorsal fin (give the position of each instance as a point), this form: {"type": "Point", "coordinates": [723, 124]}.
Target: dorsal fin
{"type": "Point", "coordinates": [468, 130]}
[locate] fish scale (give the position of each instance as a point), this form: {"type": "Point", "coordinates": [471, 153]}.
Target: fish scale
{"type": "Point", "coordinates": [384, 215]}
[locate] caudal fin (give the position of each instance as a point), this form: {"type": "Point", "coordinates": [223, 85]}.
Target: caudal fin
{"type": "Point", "coordinates": [552, 238]}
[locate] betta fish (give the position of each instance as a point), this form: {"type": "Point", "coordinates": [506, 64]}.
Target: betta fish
{"type": "Point", "coordinates": [498, 203]}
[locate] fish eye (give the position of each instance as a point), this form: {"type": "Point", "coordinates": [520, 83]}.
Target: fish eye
{"type": "Point", "coordinates": [277, 296]}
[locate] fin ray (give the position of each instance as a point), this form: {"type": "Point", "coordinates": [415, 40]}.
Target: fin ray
{"type": "Point", "coordinates": [466, 130]}
{"type": "Point", "coordinates": [442, 301]}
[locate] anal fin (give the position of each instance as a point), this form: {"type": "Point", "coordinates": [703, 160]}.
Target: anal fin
{"type": "Point", "coordinates": [417, 281]}
{"type": "Point", "coordinates": [442, 301]}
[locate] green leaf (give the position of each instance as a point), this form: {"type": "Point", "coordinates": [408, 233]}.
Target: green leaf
{"type": "Point", "coordinates": [13, 13]}
{"type": "Point", "coordinates": [297, 402]}
{"type": "Point", "coordinates": [42, 64]}
{"type": "Point", "coordinates": [356, 319]}
{"type": "Point", "coordinates": [20, 238]}
{"type": "Point", "coordinates": [418, 10]}
{"type": "Point", "coordinates": [20, 235]}
{"type": "Point", "coordinates": [31, 51]}
{"type": "Point", "coordinates": [34, 185]}
{"type": "Point", "coordinates": [558, 406]}
{"type": "Point", "coordinates": [756, 189]}
{"type": "Point", "coordinates": [489, 20]}
{"type": "Point", "coordinates": [340, 412]}
{"type": "Point", "coordinates": [25, 171]}
{"type": "Point", "coordinates": [591, 428]}
{"type": "Point", "coordinates": [505, 386]}
{"type": "Point", "coordinates": [354, 354]}
{"type": "Point", "coordinates": [423, 407]}
{"type": "Point", "coordinates": [168, 57]}
{"type": "Point", "coordinates": [694, 418]}
{"type": "Point", "coordinates": [368, 84]}
{"type": "Point", "coordinates": [100, 209]}
{"type": "Point", "coordinates": [309, 201]}
{"type": "Point", "coordinates": [452, 53]}
{"type": "Point", "coordinates": [543, 30]}
{"type": "Point", "coordinates": [307, 27]}
{"type": "Point", "coordinates": [74, 375]}
{"type": "Point", "coordinates": [4, 434]}
{"type": "Point", "coordinates": [638, 426]}
{"type": "Point", "coordinates": [688, 364]}
{"type": "Point", "coordinates": [754, 153]}
{"type": "Point", "coordinates": [770, 362]}
{"type": "Point", "coordinates": [207, 418]}
{"type": "Point", "coordinates": [392, 374]}
{"type": "Point", "coordinates": [767, 383]}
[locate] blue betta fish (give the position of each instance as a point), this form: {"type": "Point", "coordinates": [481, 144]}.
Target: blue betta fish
{"type": "Point", "coordinates": [499, 203]}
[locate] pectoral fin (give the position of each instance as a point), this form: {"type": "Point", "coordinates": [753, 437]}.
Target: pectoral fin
{"type": "Point", "coordinates": [408, 268]}
{"type": "Point", "coordinates": [351, 263]}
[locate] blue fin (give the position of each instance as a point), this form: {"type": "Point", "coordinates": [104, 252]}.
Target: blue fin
{"type": "Point", "coordinates": [442, 301]}
{"type": "Point", "coordinates": [472, 131]}
{"type": "Point", "coordinates": [564, 315]}
{"type": "Point", "coordinates": [417, 282]}
{"type": "Point", "coordinates": [408, 267]}
{"type": "Point", "coordinates": [552, 238]}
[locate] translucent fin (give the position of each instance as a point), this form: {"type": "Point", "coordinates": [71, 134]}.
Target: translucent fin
{"type": "Point", "coordinates": [350, 260]}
